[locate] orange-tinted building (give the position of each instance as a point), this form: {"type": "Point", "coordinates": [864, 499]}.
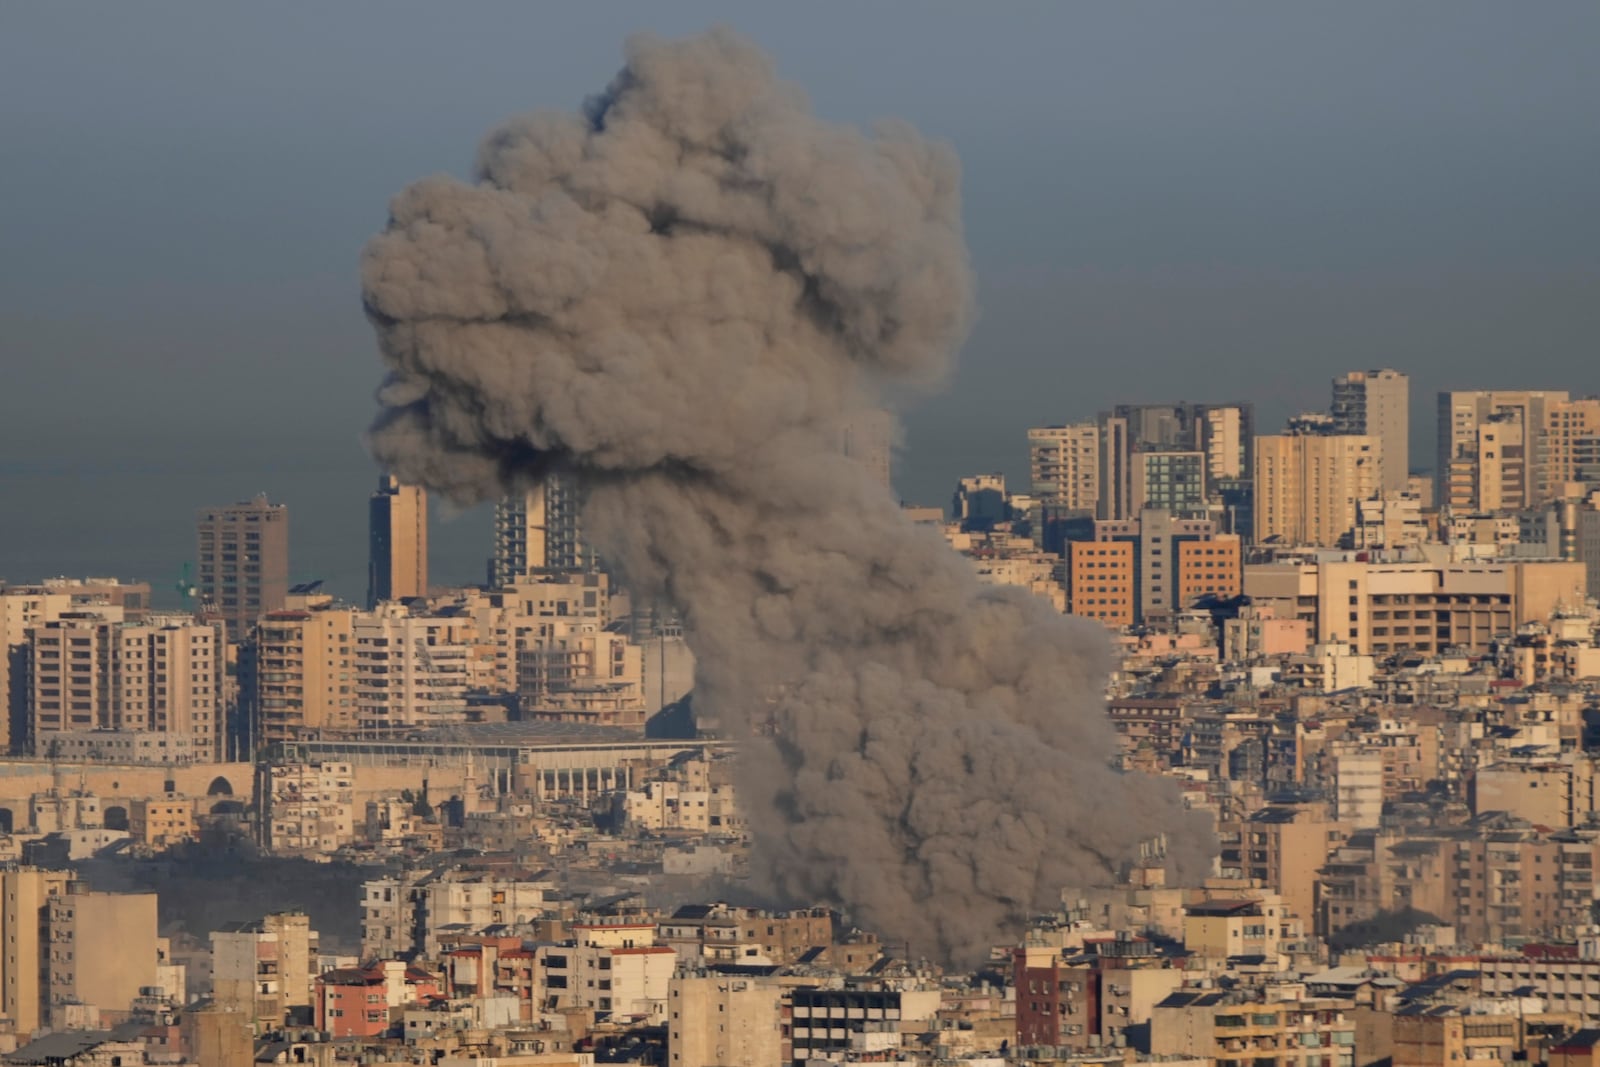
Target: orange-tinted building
{"type": "Point", "coordinates": [1209, 568]}
{"type": "Point", "coordinates": [355, 1001]}
{"type": "Point", "coordinates": [1100, 581]}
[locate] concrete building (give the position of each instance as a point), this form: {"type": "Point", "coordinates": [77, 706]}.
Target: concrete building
{"type": "Point", "coordinates": [1168, 564]}
{"type": "Point", "coordinates": [1169, 481]}
{"type": "Point", "coordinates": [162, 676]}
{"type": "Point", "coordinates": [1380, 608]}
{"type": "Point", "coordinates": [1064, 466]}
{"type": "Point", "coordinates": [242, 561]}
{"type": "Point", "coordinates": [356, 1001]}
{"type": "Point", "coordinates": [301, 675]}
{"type": "Point", "coordinates": [410, 670]}
{"type": "Point", "coordinates": [266, 968]}
{"type": "Point", "coordinates": [716, 1019]}
{"type": "Point", "coordinates": [1488, 448]}
{"type": "Point", "coordinates": [1280, 847]}
{"type": "Point", "coordinates": [397, 542]}
{"type": "Point", "coordinates": [1100, 581]}
{"type": "Point", "coordinates": [308, 809]}
{"type": "Point", "coordinates": [25, 896]}
{"type": "Point", "coordinates": [404, 916]}
{"type": "Point", "coordinates": [538, 529]}
{"type": "Point", "coordinates": [1309, 484]}
{"type": "Point", "coordinates": [103, 952]}
{"type": "Point", "coordinates": [1377, 403]}
{"type": "Point", "coordinates": [1222, 1027]}
{"type": "Point", "coordinates": [1569, 446]}
{"type": "Point", "coordinates": [868, 438]}
{"type": "Point", "coordinates": [161, 822]}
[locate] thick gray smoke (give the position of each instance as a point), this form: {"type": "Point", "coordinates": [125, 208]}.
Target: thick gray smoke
{"type": "Point", "coordinates": [677, 298]}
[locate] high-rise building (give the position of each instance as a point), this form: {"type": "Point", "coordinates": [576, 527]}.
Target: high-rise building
{"type": "Point", "coordinates": [397, 542]}
{"type": "Point", "coordinates": [1307, 485]}
{"type": "Point", "coordinates": [1488, 455]}
{"type": "Point", "coordinates": [1377, 403]}
{"type": "Point", "coordinates": [410, 670]}
{"type": "Point", "coordinates": [161, 676]}
{"type": "Point", "coordinates": [1170, 481]}
{"type": "Point", "coordinates": [1169, 563]}
{"type": "Point", "coordinates": [1220, 433]}
{"type": "Point", "coordinates": [25, 895]}
{"type": "Point", "coordinates": [302, 674]}
{"type": "Point", "coordinates": [539, 529]}
{"type": "Point", "coordinates": [243, 561]}
{"type": "Point", "coordinates": [1064, 466]}
{"type": "Point", "coordinates": [265, 968]}
{"type": "Point", "coordinates": [1569, 446]}
{"type": "Point", "coordinates": [868, 438]}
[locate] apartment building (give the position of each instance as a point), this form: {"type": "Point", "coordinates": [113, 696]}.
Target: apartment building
{"type": "Point", "coordinates": [302, 673]}
{"type": "Point", "coordinates": [411, 670]}
{"type": "Point", "coordinates": [308, 809]}
{"type": "Point", "coordinates": [1233, 1027]}
{"type": "Point", "coordinates": [1064, 466]}
{"type": "Point", "coordinates": [162, 676]}
{"type": "Point", "coordinates": [25, 896]}
{"type": "Point", "coordinates": [538, 529]}
{"type": "Point", "coordinates": [1488, 453]}
{"type": "Point", "coordinates": [397, 542]}
{"type": "Point", "coordinates": [405, 916]}
{"type": "Point", "coordinates": [1377, 403]}
{"type": "Point", "coordinates": [1308, 485]}
{"type": "Point", "coordinates": [266, 968]}
{"type": "Point", "coordinates": [716, 1019]}
{"type": "Point", "coordinates": [103, 953]}
{"type": "Point", "coordinates": [243, 561]}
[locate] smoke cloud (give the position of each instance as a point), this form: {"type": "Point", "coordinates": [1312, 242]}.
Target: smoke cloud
{"type": "Point", "coordinates": [677, 298]}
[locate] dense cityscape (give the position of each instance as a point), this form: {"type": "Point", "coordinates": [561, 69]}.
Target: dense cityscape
{"type": "Point", "coordinates": [483, 825]}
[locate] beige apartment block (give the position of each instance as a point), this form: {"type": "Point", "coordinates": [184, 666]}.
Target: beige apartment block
{"type": "Point", "coordinates": [1569, 445]}
{"type": "Point", "coordinates": [103, 951]}
{"type": "Point", "coordinates": [242, 564]}
{"type": "Point", "coordinates": [397, 542]}
{"type": "Point", "coordinates": [1308, 485]}
{"type": "Point", "coordinates": [265, 968]}
{"type": "Point", "coordinates": [1064, 466]}
{"type": "Point", "coordinates": [304, 673]}
{"type": "Point", "coordinates": [161, 676]}
{"type": "Point", "coordinates": [25, 896]}
{"type": "Point", "coordinates": [1488, 454]}
{"type": "Point", "coordinates": [719, 1019]}
{"type": "Point", "coordinates": [1377, 403]}
{"type": "Point", "coordinates": [411, 670]}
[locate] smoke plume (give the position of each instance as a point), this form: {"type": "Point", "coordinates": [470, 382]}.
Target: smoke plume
{"type": "Point", "coordinates": [677, 298]}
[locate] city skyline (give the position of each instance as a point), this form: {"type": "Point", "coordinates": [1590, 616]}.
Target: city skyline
{"type": "Point", "coordinates": [1245, 213]}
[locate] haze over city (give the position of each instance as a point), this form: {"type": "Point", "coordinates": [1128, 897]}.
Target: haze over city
{"type": "Point", "coordinates": [1210, 202]}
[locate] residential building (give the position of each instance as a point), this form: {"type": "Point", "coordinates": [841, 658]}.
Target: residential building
{"type": "Point", "coordinates": [716, 1019]}
{"type": "Point", "coordinates": [308, 809]}
{"type": "Point", "coordinates": [25, 896]}
{"type": "Point", "coordinates": [103, 952]}
{"type": "Point", "coordinates": [1100, 581]}
{"type": "Point", "coordinates": [161, 676]}
{"type": "Point", "coordinates": [1233, 1027]}
{"type": "Point", "coordinates": [538, 529]}
{"type": "Point", "coordinates": [1377, 403]}
{"type": "Point", "coordinates": [266, 968]}
{"type": "Point", "coordinates": [1569, 446]}
{"type": "Point", "coordinates": [1064, 466]}
{"type": "Point", "coordinates": [302, 673]}
{"type": "Point", "coordinates": [356, 1001]}
{"type": "Point", "coordinates": [243, 561]}
{"type": "Point", "coordinates": [1488, 454]}
{"type": "Point", "coordinates": [868, 438]}
{"type": "Point", "coordinates": [403, 916]}
{"type": "Point", "coordinates": [397, 542]}
{"type": "Point", "coordinates": [1307, 485]}
{"type": "Point", "coordinates": [410, 670]}
{"type": "Point", "coordinates": [161, 822]}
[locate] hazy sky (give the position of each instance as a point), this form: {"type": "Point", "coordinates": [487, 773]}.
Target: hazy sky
{"type": "Point", "coordinates": [1179, 200]}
